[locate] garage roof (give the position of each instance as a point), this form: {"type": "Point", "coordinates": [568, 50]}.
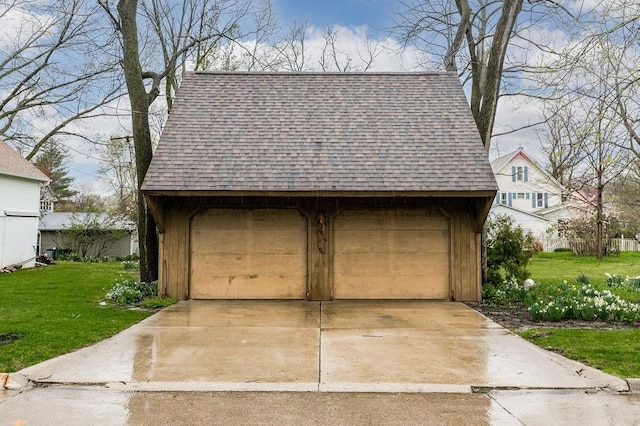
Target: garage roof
{"type": "Point", "coordinates": [13, 164]}
{"type": "Point", "coordinates": [320, 132]}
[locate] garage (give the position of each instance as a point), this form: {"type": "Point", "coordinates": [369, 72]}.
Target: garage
{"type": "Point", "coordinates": [248, 254]}
{"type": "Point", "coordinates": [320, 186]}
{"type": "Point", "coordinates": [391, 254]}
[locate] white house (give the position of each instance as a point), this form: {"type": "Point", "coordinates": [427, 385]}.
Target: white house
{"type": "Point", "coordinates": [20, 183]}
{"type": "Point", "coordinates": [527, 193]}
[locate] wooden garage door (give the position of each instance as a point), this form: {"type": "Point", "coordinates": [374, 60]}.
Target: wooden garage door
{"type": "Point", "coordinates": [391, 254]}
{"type": "Point", "coordinates": [248, 254]}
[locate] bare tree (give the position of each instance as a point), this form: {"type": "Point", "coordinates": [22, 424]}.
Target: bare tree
{"type": "Point", "coordinates": [562, 140]}
{"type": "Point", "coordinates": [177, 33]}
{"type": "Point", "coordinates": [594, 117]}
{"type": "Point", "coordinates": [119, 170]}
{"type": "Point", "coordinates": [52, 70]}
{"type": "Point", "coordinates": [472, 38]}
{"type": "Point", "coordinates": [332, 58]}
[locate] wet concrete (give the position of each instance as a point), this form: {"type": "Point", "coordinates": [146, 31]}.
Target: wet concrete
{"type": "Point", "coordinates": [343, 362]}
{"type": "Point", "coordinates": [73, 405]}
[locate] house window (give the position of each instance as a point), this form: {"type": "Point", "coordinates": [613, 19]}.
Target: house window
{"type": "Point", "coordinates": [519, 173]}
{"type": "Point", "coordinates": [562, 226]}
{"type": "Point", "coordinates": [503, 198]}
{"type": "Point", "coordinates": [521, 195]}
{"type": "Point", "coordinates": [539, 199]}
{"type": "Point", "coordinates": [46, 206]}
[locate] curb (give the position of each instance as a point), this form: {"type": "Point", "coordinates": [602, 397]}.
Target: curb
{"type": "Point", "coordinates": [13, 381]}
{"type": "Point", "coordinates": [634, 385]}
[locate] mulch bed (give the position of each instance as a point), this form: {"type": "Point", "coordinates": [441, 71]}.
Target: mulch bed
{"type": "Point", "coordinates": [6, 338]}
{"type": "Point", "coordinates": [517, 317]}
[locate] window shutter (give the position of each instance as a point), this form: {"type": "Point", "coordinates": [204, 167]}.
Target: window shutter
{"type": "Point", "coordinates": [533, 200]}
{"type": "Point", "coordinates": [510, 198]}
{"type": "Point", "coordinates": [513, 173]}
{"type": "Point", "coordinates": [546, 200]}
{"type": "Point", "coordinates": [528, 195]}
{"type": "Point", "coordinates": [526, 173]}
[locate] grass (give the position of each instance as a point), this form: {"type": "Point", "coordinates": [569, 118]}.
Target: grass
{"type": "Point", "coordinates": [51, 311]}
{"type": "Point", "coordinates": [556, 267]}
{"type": "Point", "coordinates": [615, 352]}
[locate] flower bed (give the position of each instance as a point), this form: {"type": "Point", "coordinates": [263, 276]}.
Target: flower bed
{"type": "Point", "coordinates": [578, 300]}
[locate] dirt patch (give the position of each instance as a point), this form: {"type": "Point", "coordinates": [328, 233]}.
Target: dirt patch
{"type": "Point", "coordinates": [517, 317]}
{"type": "Point", "coordinates": [6, 338]}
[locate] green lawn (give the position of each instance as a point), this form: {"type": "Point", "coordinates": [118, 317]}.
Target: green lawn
{"type": "Point", "coordinates": [616, 352]}
{"type": "Point", "coordinates": [55, 310]}
{"type": "Point", "coordinates": [556, 267]}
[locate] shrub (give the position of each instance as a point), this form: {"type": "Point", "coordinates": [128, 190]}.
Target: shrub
{"type": "Point", "coordinates": [130, 264]}
{"type": "Point", "coordinates": [508, 250]}
{"type": "Point", "coordinates": [128, 292]}
{"type": "Point", "coordinates": [583, 279]}
{"type": "Point", "coordinates": [563, 250]}
{"type": "Point", "coordinates": [504, 293]}
{"type": "Point", "coordinates": [129, 257]}
{"type": "Point", "coordinates": [613, 280]}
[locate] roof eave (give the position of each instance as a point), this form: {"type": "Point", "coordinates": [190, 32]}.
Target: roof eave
{"type": "Point", "coordinates": [322, 193]}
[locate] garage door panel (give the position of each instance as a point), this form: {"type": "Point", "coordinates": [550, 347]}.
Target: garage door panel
{"type": "Point", "coordinates": [247, 287]}
{"type": "Point", "coordinates": [391, 254]}
{"type": "Point", "coordinates": [398, 287]}
{"type": "Point", "coordinates": [240, 241]}
{"type": "Point", "coordinates": [391, 219]}
{"type": "Point", "coordinates": [400, 241]}
{"type": "Point", "coordinates": [390, 264]}
{"type": "Point", "coordinates": [229, 264]}
{"type": "Point", "coordinates": [226, 219]}
{"type": "Point", "coordinates": [248, 254]}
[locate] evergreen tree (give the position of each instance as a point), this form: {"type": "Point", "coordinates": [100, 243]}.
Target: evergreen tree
{"type": "Point", "coordinates": [52, 162]}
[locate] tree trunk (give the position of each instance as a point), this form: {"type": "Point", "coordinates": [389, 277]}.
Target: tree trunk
{"type": "Point", "coordinates": [489, 75]}
{"type": "Point", "coordinates": [600, 224]}
{"type": "Point", "coordinates": [147, 234]}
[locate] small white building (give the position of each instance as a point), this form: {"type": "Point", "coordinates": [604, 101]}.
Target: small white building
{"type": "Point", "coordinates": [527, 193]}
{"type": "Point", "coordinates": [123, 242]}
{"type": "Point", "coordinates": [20, 183]}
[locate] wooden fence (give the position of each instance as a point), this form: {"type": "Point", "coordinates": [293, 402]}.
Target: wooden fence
{"type": "Point", "coordinates": [616, 244]}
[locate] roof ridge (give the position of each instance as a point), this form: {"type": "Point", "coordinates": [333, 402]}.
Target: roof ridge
{"type": "Point", "coordinates": [324, 73]}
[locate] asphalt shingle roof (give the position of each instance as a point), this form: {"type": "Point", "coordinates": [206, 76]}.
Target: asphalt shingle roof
{"type": "Point", "coordinates": [13, 164]}
{"type": "Point", "coordinates": [330, 132]}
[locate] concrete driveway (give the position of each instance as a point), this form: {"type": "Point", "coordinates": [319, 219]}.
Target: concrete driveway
{"type": "Point", "coordinates": [377, 355]}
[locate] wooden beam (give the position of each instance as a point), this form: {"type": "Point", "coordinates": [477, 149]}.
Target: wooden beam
{"type": "Point", "coordinates": [155, 205]}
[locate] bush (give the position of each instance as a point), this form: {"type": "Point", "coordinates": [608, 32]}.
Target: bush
{"type": "Point", "coordinates": [508, 250]}
{"type": "Point", "coordinates": [563, 250]}
{"type": "Point", "coordinates": [129, 292]}
{"type": "Point", "coordinates": [130, 264]}
{"type": "Point", "coordinates": [504, 293]}
{"type": "Point", "coordinates": [129, 257]}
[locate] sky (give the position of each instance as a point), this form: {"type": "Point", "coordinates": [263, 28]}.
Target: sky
{"type": "Point", "coordinates": [375, 14]}
{"type": "Point", "coordinates": [358, 21]}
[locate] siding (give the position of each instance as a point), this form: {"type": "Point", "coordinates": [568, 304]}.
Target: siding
{"type": "Point", "coordinates": [18, 235]}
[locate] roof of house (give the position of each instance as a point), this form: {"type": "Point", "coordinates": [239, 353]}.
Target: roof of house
{"type": "Point", "coordinates": [13, 164]}
{"type": "Point", "coordinates": [499, 163]}
{"type": "Point", "coordinates": [57, 221]}
{"type": "Point", "coordinates": [325, 132]}
{"type": "Point", "coordinates": [495, 209]}
{"type": "Point", "coordinates": [502, 161]}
